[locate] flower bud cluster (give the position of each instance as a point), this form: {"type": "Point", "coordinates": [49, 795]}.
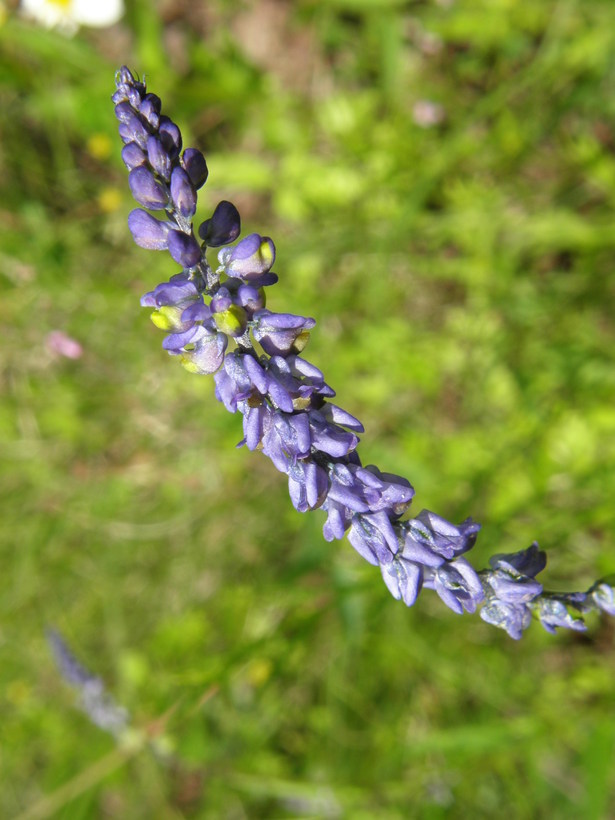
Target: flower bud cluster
{"type": "Point", "coordinates": [217, 323]}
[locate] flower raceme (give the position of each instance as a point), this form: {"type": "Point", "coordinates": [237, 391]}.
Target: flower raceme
{"type": "Point", "coordinates": [217, 323]}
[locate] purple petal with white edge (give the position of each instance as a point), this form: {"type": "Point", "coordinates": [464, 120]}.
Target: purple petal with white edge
{"type": "Point", "coordinates": [147, 190]}
{"type": "Point", "coordinates": [158, 158]}
{"type": "Point", "coordinates": [403, 579]}
{"type": "Point", "coordinates": [147, 231]}
{"type": "Point", "coordinates": [184, 248]}
{"type": "Point", "coordinates": [183, 193]}
{"type": "Point", "coordinates": [195, 166]}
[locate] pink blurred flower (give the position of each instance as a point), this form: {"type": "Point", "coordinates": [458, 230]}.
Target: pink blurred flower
{"type": "Point", "coordinates": [426, 114]}
{"type": "Point", "coordinates": [61, 344]}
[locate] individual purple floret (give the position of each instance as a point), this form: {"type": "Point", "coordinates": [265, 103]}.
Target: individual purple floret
{"type": "Point", "coordinates": [217, 322]}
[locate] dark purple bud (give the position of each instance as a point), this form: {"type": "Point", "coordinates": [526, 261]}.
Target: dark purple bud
{"type": "Point", "coordinates": [404, 579]}
{"type": "Point", "coordinates": [223, 227]}
{"type": "Point", "coordinates": [150, 109]}
{"type": "Point", "coordinates": [147, 190]}
{"type": "Point", "coordinates": [133, 156]}
{"type": "Point", "coordinates": [170, 136]}
{"type": "Point", "coordinates": [526, 562]}
{"type": "Point", "coordinates": [147, 231]}
{"type": "Point", "coordinates": [195, 166]}
{"type": "Point", "coordinates": [184, 248]}
{"type": "Point", "coordinates": [183, 193]}
{"type": "Point", "coordinates": [158, 158]}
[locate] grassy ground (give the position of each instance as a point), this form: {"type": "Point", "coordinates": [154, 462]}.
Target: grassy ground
{"type": "Point", "coordinates": [461, 273]}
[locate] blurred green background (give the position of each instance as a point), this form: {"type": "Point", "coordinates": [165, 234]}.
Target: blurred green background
{"type": "Point", "coordinates": [439, 178]}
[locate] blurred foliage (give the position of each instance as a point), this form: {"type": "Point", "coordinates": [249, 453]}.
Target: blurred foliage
{"type": "Point", "coordinates": [461, 272]}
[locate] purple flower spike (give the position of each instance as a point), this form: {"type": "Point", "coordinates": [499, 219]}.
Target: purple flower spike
{"type": "Point", "coordinates": [251, 258]}
{"type": "Point", "coordinates": [183, 193]}
{"type": "Point", "coordinates": [147, 231]}
{"type": "Point", "coordinates": [284, 399]}
{"type": "Point", "coordinates": [195, 166]}
{"type": "Point", "coordinates": [223, 227]}
{"type": "Point", "coordinates": [184, 249]}
{"type": "Point", "coordinates": [147, 190]}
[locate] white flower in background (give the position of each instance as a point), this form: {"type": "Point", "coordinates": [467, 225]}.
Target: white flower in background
{"type": "Point", "coordinates": [68, 15]}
